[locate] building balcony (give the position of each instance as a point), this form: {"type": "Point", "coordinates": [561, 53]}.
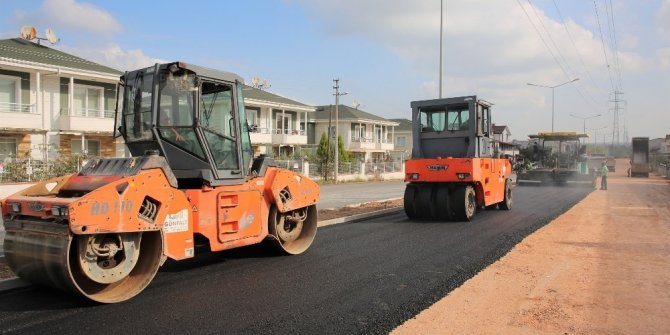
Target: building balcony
{"type": "Point", "coordinates": [20, 116]}
{"type": "Point", "coordinates": [260, 135]}
{"type": "Point", "coordinates": [93, 120]}
{"type": "Point", "coordinates": [362, 144]}
{"type": "Point", "coordinates": [385, 146]}
{"type": "Point", "coordinates": [285, 136]}
{"type": "Point", "coordinates": [92, 113]}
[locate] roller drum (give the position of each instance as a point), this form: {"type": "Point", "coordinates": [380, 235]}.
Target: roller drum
{"type": "Point", "coordinates": [40, 257]}
{"type": "Point", "coordinates": [48, 254]}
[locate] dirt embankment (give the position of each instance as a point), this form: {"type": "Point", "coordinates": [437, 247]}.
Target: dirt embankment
{"type": "Point", "coordinates": [601, 268]}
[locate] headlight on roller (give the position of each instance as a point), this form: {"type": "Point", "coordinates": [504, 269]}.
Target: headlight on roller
{"type": "Point", "coordinates": [15, 207]}
{"type": "Point", "coordinates": [59, 211]}
{"type": "Point", "coordinates": [462, 176]}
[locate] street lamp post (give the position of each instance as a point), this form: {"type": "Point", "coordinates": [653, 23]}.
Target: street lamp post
{"type": "Point", "coordinates": [441, 20]}
{"type": "Point", "coordinates": [584, 119]}
{"type": "Point", "coordinates": [552, 97]}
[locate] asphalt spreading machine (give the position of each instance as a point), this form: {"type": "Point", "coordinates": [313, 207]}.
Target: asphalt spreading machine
{"type": "Point", "coordinates": [559, 159]}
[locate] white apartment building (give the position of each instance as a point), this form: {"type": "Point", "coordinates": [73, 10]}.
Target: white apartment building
{"type": "Point", "coordinates": [369, 137]}
{"type": "Point", "coordinates": [53, 103]}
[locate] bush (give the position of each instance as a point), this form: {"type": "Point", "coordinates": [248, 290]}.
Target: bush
{"type": "Point", "coordinates": [18, 170]}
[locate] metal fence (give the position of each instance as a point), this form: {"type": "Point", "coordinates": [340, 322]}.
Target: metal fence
{"type": "Point", "coordinates": [293, 165]}
{"type": "Point", "coordinates": [320, 170]}
{"type": "Point", "coordinates": [349, 168]}
{"type": "Point", "coordinates": [382, 167]}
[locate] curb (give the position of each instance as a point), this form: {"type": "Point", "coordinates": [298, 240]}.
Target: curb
{"type": "Point", "coordinates": [360, 217]}
{"type": "Point", "coordinates": [11, 283]}
{"type": "Point", "coordinates": [14, 283]}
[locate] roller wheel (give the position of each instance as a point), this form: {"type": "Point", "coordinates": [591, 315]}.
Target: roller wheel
{"type": "Point", "coordinates": [105, 268]}
{"type": "Point", "coordinates": [293, 232]}
{"type": "Point", "coordinates": [443, 203]}
{"type": "Point", "coordinates": [465, 203]}
{"type": "Point", "coordinates": [506, 204]}
{"type": "Point", "coordinates": [409, 201]}
{"type": "Point", "coordinates": [425, 206]}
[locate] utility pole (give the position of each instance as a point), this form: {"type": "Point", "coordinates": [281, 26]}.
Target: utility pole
{"type": "Point", "coordinates": [615, 121]}
{"type": "Point", "coordinates": [441, 20]}
{"type": "Point", "coordinates": [337, 121]}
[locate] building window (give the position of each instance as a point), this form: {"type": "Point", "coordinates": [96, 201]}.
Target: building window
{"type": "Point", "coordinates": [92, 147]}
{"type": "Point", "coordinates": [400, 141]}
{"type": "Point", "coordinates": [9, 94]}
{"type": "Point", "coordinates": [283, 124]}
{"type": "Point", "coordinates": [252, 116]}
{"type": "Point", "coordinates": [87, 101]}
{"type": "Point", "coordinates": [252, 119]}
{"type": "Point", "coordinates": [8, 148]}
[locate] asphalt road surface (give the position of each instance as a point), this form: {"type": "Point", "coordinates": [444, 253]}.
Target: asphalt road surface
{"type": "Point", "coordinates": [340, 195]}
{"type": "Point", "coordinates": [366, 277]}
{"type": "Point", "coordinates": [332, 196]}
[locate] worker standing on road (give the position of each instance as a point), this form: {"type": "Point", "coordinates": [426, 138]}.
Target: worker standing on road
{"type": "Point", "coordinates": [603, 176]}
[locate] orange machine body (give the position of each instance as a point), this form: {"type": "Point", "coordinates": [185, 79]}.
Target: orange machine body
{"type": "Point", "coordinates": [229, 216]}
{"type": "Point", "coordinates": [487, 175]}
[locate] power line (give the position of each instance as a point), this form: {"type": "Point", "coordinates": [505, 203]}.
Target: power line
{"type": "Point", "coordinates": [551, 39]}
{"type": "Point", "coordinates": [542, 38]}
{"type": "Point", "coordinates": [572, 40]}
{"type": "Point", "coordinates": [558, 50]}
{"type": "Point", "coordinates": [615, 45]}
{"type": "Point", "coordinates": [602, 41]}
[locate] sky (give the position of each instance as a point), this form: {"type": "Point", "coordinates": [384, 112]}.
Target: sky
{"type": "Point", "coordinates": [386, 53]}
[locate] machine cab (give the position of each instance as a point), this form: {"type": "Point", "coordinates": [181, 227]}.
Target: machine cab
{"type": "Point", "coordinates": [451, 127]}
{"type": "Point", "coordinates": [192, 116]}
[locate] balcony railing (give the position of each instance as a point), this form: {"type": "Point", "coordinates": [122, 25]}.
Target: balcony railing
{"type": "Point", "coordinates": [255, 129]}
{"type": "Point", "coordinates": [8, 107]}
{"type": "Point", "coordinates": [361, 139]}
{"type": "Point", "coordinates": [288, 132]}
{"type": "Point", "coordinates": [94, 113]}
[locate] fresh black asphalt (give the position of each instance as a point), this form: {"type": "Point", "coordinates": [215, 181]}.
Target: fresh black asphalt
{"type": "Point", "coordinates": [358, 278]}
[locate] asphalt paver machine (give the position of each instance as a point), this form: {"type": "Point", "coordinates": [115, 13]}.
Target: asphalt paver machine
{"type": "Point", "coordinates": [559, 159]}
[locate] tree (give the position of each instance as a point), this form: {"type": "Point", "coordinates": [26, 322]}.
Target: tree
{"type": "Point", "coordinates": [323, 151]}
{"type": "Point", "coordinates": [326, 154]}
{"type": "Point", "coordinates": [345, 156]}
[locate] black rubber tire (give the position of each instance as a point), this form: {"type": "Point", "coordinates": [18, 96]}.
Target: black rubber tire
{"type": "Point", "coordinates": [424, 202]}
{"type": "Point", "coordinates": [409, 201]}
{"type": "Point", "coordinates": [465, 203]}
{"type": "Point", "coordinates": [507, 202]}
{"type": "Point", "coordinates": [443, 203]}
